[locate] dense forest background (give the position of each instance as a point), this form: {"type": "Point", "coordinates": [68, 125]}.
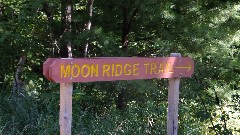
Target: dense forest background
{"type": "Point", "coordinates": [206, 30]}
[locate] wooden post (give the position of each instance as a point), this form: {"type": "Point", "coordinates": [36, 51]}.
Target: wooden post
{"type": "Point", "coordinates": [173, 99]}
{"type": "Point", "coordinates": [65, 115]}
{"type": "Point", "coordinates": [64, 72]}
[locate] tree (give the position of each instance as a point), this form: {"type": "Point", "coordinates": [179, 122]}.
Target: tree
{"type": "Point", "coordinates": [208, 31]}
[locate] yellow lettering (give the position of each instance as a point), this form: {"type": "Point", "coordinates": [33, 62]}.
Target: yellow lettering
{"type": "Point", "coordinates": [78, 70]}
{"type": "Point", "coordinates": [127, 71]}
{"type": "Point", "coordinates": [153, 68]}
{"type": "Point", "coordinates": [169, 67]}
{"type": "Point", "coordinates": [135, 69]}
{"type": "Point", "coordinates": [87, 67]}
{"type": "Point", "coordinates": [106, 68]}
{"type": "Point", "coordinates": [94, 70]}
{"type": "Point", "coordinates": [113, 69]}
{"type": "Point", "coordinates": [65, 71]}
{"type": "Point", "coordinates": [118, 70]}
{"type": "Point", "coordinates": [146, 65]}
{"type": "Point", "coordinates": [161, 68]}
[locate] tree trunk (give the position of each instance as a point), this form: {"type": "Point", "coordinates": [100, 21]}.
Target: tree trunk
{"type": "Point", "coordinates": [66, 20]}
{"type": "Point", "coordinates": [121, 105]}
{"type": "Point", "coordinates": [88, 26]}
{"type": "Point", "coordinates": [18, 84]}
{"type": "Point", "coordinates": [125, 32]}
{"type": "Point", "coordinates": [127, 18]}
{"type": "Point", "coordinates": [68, 26]}
{"type": "Point", "coordinates": [1, 11]}
{"type": "Point", "coordinates": [47, 9]}
{"type": "Point", "coordinates": [125, 28]}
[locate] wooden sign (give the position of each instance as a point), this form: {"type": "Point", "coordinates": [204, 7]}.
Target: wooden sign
{"type": "Point", "coordinates": [65, 71]}
{"type": "Point", "coordinates": [46, 65]}
{"type": "Point", "coordinates": [119, 68]}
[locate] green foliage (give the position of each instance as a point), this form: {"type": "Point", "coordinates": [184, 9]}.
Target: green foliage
{"type": "Point", "coordinates": [206, 30]}
{"type": "Point", "coordinates": [26, 115]}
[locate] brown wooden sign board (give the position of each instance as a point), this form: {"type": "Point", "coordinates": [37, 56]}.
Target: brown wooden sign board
{"type": "Point", "coordinates": [66, 71]}
{"type": "Point", "coordinates": [116, 68]}
{"type": "Point", "coordinates": [46, 65]}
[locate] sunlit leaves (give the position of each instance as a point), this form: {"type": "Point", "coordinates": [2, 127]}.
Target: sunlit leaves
{"type": "Point", "coordinates": [206, 30]}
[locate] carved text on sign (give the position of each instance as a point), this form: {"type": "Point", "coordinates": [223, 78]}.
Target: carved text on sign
{"type": "Point", "coordinates": [109, 69]}
{"type": "Point", "coordinates": [92, 70]}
